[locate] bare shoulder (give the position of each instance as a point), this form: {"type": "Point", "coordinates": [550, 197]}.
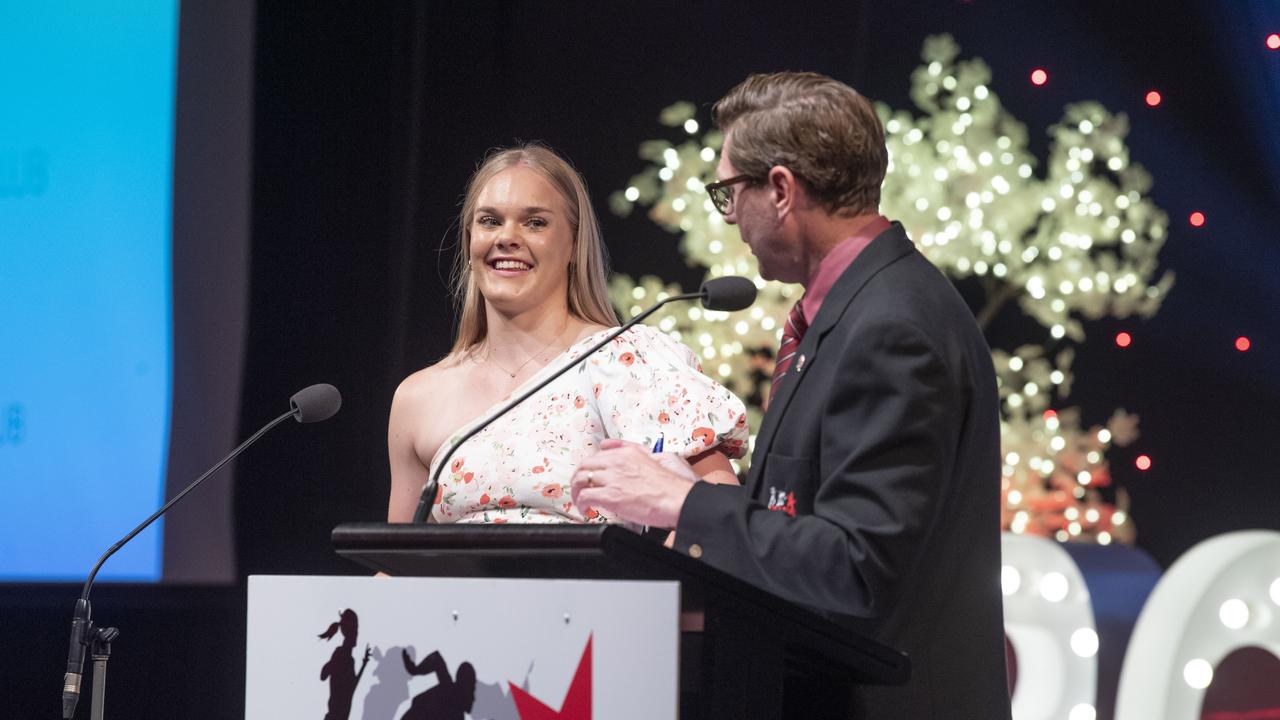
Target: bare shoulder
{"type": "Point", "coordinates": [430, 384]}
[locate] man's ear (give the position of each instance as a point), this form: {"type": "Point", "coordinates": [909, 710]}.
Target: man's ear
{"type": "Point", "coordinates": [785, 188]}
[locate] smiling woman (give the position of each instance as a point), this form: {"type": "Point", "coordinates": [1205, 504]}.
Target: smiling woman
{"type": "Point", "coordinates": [530, 282]}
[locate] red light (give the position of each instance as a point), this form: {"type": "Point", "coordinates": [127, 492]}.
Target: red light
{"type": "Point", "coordinates": [1039, 76]}
{"type": "Point", "coordinates": [1273, 41]}
{"type": "Point", "coordinates": [1196, 219]}
{"type": "Point", "coordinates": [1124, 339]}
{"type": "Point", "coordinates": [1050, 414]}
{"type": "Point", "coordinates": [1153, 98]}
{"type": "Point", "coordinates": [1143, 462]}
{"type": "Point", "coordinates": [1243, 344]}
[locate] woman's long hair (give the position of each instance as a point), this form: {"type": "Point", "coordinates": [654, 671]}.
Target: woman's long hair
{"type": "Point", "coordinates": [588, 298]}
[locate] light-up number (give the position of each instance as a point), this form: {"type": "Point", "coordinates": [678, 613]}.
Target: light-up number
{"type": "Point", "coordinates": [1220, 596]}
{"type": "Point", "coordinates": [1049, 621]}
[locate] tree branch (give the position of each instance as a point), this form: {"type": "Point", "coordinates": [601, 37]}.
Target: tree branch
{"type": "Point", "coordinates": [996, 301]}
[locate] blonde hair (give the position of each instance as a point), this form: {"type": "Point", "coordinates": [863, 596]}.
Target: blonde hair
{"type": "Point", "coordinates": [588, 297]}
{"type": "Point", "coordinates": [819, 128]}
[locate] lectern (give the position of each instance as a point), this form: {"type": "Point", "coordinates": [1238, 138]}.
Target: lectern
{"type": "Point", "coordinates": [744, 652]}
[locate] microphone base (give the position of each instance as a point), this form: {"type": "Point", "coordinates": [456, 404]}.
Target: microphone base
{"type": "Point", "coordinates": [100, 651]}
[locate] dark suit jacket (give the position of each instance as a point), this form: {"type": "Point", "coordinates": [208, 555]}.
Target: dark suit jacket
{"type": "Point", "coordinates": [885, 441]}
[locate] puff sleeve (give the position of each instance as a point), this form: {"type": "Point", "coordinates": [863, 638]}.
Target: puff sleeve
{"type": "Point", "coordinates": [647, 385]}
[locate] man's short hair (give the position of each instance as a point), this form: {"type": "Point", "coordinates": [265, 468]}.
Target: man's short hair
{"type": "Point", "coordinates": [821, 129]}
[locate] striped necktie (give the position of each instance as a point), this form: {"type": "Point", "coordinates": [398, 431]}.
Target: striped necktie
{"type": "Point", "coordinates": [792, 332]}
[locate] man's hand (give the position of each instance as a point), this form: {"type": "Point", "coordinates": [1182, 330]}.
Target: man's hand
{"type": "Point", "coordinates": [633, 484]}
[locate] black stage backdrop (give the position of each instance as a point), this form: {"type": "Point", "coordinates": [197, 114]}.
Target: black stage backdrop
{"type": "Point", "coordinates": [369, 117]}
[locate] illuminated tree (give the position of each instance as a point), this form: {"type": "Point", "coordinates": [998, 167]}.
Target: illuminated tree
{"type": "Point", "coordinates": [1077, 241]}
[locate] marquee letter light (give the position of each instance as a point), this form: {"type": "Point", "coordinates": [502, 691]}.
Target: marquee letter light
{"type": "Point", "coordinates": [1220, 596]}
{"type": "Point", "coordinates": [1049, 621]}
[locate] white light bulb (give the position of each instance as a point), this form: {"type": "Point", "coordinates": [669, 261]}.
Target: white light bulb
{"type": "Point", "coordinates": [1198, 673]}
{"type": "Point", "coordinates": [1010, 579]}
{"type": "Point", "coordinates": [1234, 613]}
{"type": "Point", "coordinates": [1054, 587]}
{"type": "Point", "coordinates": [1083, 711]}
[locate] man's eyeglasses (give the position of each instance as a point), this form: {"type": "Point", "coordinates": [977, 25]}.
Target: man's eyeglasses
{"type": "Point", "coordinates": [722, 192]}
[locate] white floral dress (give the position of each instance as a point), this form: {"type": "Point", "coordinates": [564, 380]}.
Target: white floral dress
{"type": "Point", "coordinates": [642, 386]}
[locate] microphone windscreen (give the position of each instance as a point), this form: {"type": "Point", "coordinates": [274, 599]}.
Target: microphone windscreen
{"type": "Point", "coordinates": [728, 293]}
{"type": "Point", "coordinates": [315, 403]}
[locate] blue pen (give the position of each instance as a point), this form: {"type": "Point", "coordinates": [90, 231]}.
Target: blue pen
{"type": "Point", "coordinates": [657, 448]}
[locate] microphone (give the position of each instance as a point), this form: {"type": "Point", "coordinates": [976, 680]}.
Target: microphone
{"type": "Point", "coordinates": [311, 404]}
{"type": "Point", "coordinates": [726, 294]}
{"type": "Point", "coordinates": [315, 403]}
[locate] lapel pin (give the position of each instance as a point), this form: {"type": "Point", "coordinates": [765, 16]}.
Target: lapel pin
{"type": "Point", "coordinates": [800, 364]}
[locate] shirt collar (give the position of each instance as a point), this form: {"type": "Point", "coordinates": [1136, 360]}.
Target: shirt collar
{"type": "Point", "coordinates": [835, 263]}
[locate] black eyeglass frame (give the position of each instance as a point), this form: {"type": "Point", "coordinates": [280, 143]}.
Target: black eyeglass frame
{"type": "Point", "coordinates": [722, 196]}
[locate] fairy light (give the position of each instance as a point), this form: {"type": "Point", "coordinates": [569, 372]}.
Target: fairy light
{"type": "Point", "coordinates": [1039, 77]}
{"type": "Point", "coordinates": [1153, 98]}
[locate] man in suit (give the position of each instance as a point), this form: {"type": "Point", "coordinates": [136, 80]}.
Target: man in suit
{"type": "Point", "coordinates": [873, 494]}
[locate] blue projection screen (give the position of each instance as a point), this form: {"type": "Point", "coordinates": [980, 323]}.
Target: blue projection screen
{"type": "Point", "coordinates": [86, 154]}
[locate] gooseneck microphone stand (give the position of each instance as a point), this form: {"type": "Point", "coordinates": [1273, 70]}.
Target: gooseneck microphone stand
{"type": "Point", "coordinates": [312, 404]}
{"type": "Point", "coordinates": [98, 639]}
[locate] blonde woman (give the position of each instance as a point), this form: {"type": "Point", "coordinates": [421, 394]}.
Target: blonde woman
{"type": "Point", "coordinates": [530, 281]}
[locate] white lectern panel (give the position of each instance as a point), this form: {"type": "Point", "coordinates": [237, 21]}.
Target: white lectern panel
{"type": "Point", "coordinates": [602, 648]}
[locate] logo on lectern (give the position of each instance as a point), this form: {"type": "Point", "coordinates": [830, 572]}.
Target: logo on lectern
{"type": "Point", "coordinates": [455, 695]}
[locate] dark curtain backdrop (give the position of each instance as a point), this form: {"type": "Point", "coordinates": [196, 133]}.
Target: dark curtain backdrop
{"type": "Point", "coordinates": [370, 119]}
{"type": "Point", "coordinates": [370, 116]}
{"type": "Point", "coordinates": [370, 124]}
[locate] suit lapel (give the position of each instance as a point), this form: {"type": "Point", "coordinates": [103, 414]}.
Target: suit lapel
{"type": "Point", "coordinates": [888, 246]}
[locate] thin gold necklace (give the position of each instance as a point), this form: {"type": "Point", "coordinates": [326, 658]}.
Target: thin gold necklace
{"type": "Point", "coordinates": [522, 365]}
